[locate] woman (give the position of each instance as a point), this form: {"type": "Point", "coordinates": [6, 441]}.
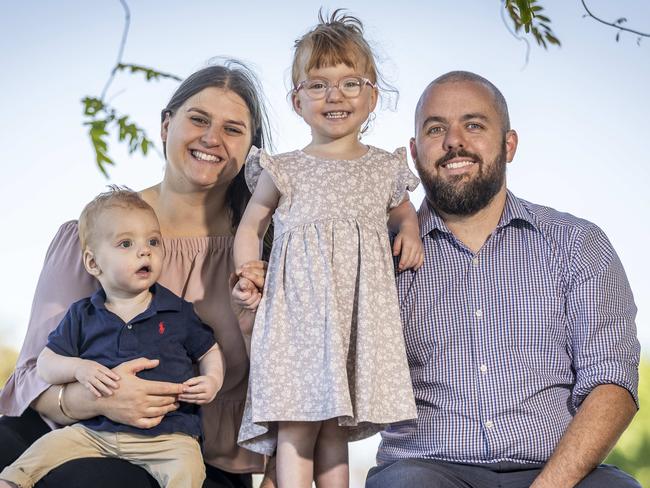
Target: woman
{"type": "Point", "coordinates": [207, 129]}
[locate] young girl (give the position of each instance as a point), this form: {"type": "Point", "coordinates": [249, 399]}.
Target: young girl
{"type": "Point", "coordinates": [327, 356]}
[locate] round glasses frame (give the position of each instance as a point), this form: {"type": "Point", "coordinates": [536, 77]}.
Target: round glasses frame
{"type": "Point", "coordinates": [350, 87]}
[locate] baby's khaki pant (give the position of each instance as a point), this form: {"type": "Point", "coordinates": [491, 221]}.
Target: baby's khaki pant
{"type": "Point", "coordinates": [174, 460]}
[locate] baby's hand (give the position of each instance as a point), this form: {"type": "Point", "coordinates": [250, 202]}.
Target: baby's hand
{"type": "Point", "coordinates": [200, 389]}
{"type": "Point", "coordinates": [408, 246]}
{"type": "Point", "coordinates": [246, 295]}
{"type": "Point", "coordinates": [100, 380]}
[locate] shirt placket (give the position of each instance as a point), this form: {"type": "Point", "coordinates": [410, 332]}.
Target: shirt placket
{"type": "Point", "coordinates": [482, 320]}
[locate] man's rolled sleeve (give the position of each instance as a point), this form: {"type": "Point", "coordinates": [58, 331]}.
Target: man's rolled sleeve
{"type": "Point", "coordinates": [601, 313]}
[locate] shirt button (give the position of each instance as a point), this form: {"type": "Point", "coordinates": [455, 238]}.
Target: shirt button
{"type": "Point", "coordinates": [483, 368]}
{"type": "Point", "coordinates": [475, 261]}
{"type": "Point", "coordinates": [129, 326]}
{"type": "Point", "coordinates": [478, 313]}
{"type": "Point", "coordinates": [489, 424]}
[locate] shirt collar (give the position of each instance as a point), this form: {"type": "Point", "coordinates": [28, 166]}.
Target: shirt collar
{"type": "Point", "coordinates": [162, 300]}
{"type": "Point", "coordinates": [514, 210]}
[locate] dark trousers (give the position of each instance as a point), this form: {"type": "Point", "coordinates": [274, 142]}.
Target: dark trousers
{"type": "Point", "coordinates": [18, 433]}
{"type": "Point", "coordinates": [428, 473]}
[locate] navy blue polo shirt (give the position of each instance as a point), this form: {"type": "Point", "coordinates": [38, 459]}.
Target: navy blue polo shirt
{"type": "Point", "coordinates": [168, 330]}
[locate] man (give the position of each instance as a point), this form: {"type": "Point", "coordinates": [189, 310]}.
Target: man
{"type": "Point", "coordinates": [519, 327]}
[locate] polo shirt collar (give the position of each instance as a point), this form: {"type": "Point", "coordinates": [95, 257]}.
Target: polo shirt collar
{"type": "Point", "coordinates": [162, 300]}
{"type": "Point", "coordinates": [514, 210]}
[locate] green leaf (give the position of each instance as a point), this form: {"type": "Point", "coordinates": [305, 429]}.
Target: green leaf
{"type": "Point", "coordinates": [97, 134]}
{"type": "Point", "coordinates": [525, 12]}
{"type": "Point", "coordinates": [92, 106]}
{"type": "Point", "coordinates": [149, 73]}
{"type": "Point", "coordinates": [144, 145]}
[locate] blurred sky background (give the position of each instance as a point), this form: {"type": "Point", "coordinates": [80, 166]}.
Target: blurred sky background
{"type": "Point", "coordinates": [580, 110]}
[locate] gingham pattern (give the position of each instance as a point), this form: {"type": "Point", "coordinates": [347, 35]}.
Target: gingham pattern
{"type": "Point", "coordinates": [504, 345]}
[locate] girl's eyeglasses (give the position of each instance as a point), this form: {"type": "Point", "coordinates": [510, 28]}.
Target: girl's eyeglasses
{"type": "Point", "coordinates": [350, 87]}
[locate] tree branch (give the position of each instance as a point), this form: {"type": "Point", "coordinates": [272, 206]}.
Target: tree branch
{"type": "Point", "coordinates": [125, 33]}
{"type": "Point", "coordinates": [615, 25]}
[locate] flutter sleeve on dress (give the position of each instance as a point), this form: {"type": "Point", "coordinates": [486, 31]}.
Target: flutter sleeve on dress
{"type": "Point", "coordinates": [63, 281]}
{"type": "Point", "coordinates": [404, 180]}
{"type": "Point", "coordinates": [258, 160]}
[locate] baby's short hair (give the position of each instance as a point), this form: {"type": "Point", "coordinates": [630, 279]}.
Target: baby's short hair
{"type": "Point", "coordinates": [116, 196]}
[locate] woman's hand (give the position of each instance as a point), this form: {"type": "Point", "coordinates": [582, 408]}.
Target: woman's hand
{"type": "Point", "coordinates": [255, 272]}
{"type": "Point", "coordinates": [137, 402]}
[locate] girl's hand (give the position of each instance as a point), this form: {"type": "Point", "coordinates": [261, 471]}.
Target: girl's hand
{"type": "Point", "coordinates": [98, 379]}
{"type": "Point", "coordinates": [408, 246]}
{"type": "Point", "coordinates": [200, 389]}
{"type": "Point", "coordinates": [255, 272]}
{"type": "Point", "coordinates": [246, 295]}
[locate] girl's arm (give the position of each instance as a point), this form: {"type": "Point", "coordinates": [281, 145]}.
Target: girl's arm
{"type": "Point", "coordinates": [255, 221]}
{"type": "Point", "coordinates": [248, 245]}
{"type": "Point", "coordinates": [403, 221]}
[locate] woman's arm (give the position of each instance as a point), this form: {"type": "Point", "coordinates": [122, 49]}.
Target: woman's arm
{"type": "Point", "coordinates": [136, 402]}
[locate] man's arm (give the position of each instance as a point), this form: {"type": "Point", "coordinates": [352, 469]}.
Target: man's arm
{"type": "Point", "coordinates": [593, 432]}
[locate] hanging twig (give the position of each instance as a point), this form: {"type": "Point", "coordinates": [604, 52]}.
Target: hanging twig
{"type": "Point", "coordinates": [120, 53]}
{"type": "Point", "coordinates": [514, 34]}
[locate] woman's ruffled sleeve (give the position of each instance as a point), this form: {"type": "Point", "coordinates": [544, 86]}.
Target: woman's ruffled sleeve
{"type": "Point", "coordinates": [62, 282]}
{"type": "Point", "coordinates": [258, 160]}
{"type": "Point", "coordinates": [404, 179]}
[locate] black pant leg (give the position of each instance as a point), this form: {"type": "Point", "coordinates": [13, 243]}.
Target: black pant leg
{"type": "Point", "coordinates": [18, 433]}
{"type": "Point", "coordinates": [216, 478]}
{"type": "Point", "coordinates": [98, 473]}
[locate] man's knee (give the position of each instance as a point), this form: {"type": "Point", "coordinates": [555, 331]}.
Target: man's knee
{"type": "Point", "coordinates": [608, 476]}
{"type": "Point", "coordinates": [413, 472]}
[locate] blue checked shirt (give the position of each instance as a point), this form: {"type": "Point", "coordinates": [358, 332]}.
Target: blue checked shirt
{"type": "Point", "coordinates": [505, 344]}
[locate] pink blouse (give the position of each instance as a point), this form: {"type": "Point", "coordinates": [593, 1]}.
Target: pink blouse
{"type": "Point", "coordinates": [195, 268]}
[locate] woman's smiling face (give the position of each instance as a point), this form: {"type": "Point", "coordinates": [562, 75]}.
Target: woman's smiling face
{"type": "Point", "coordinates": [207, 139]}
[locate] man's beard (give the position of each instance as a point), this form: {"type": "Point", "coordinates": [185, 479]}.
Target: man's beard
{"type": "Point", "coordinates": [454, 196]}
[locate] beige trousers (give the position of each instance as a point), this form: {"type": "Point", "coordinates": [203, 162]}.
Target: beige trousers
{"type": "Point", "coordinates": [174, 460]}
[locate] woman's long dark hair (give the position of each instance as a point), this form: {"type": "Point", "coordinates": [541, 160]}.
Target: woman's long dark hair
{"type": "Point", "coordinates": [232, 75]}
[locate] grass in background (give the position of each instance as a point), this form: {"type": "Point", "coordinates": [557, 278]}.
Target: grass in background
{"type": "Point", "coordinates": [632, 453]}
{"type": "Point", "coordinates": [8, 359]}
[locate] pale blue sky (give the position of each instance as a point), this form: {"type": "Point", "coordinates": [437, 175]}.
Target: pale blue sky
{"type": "Point", "coordinates": [580, 110]}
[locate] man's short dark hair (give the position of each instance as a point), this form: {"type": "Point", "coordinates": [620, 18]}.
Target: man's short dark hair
{"type": "Point", "coordinates": [459, 76]}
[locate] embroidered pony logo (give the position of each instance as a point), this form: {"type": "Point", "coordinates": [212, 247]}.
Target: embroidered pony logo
{"type": "Point", "coordinates": [161, 328]}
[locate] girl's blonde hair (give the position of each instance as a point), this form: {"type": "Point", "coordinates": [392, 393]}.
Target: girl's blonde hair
{"type": "Point", "coordinates": [335, 40]}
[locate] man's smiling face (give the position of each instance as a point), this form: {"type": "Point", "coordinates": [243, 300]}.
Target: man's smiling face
{"type": "Point", "coordinates": [461, 146]}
